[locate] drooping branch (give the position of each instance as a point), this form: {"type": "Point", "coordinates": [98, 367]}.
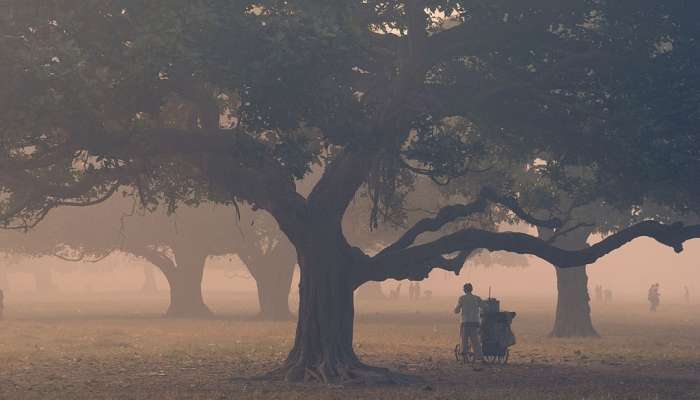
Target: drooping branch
{"type": "Point", "coordinates": [512, 204]}
{"type": "Point", "coordinates": [233, 162]}
{"type": "Point", "coordinates": [433, 224]}
{"type": "Point", "coordinates": [155, 257]}
{"type": "Point", "coordinates": [36, 197]}
{"type": "Point", "coordinates": [83, 257]}
{"type": "Point", "coordinates": [452, 213]}
{"type": "Point", "coordinates": [420, 260]}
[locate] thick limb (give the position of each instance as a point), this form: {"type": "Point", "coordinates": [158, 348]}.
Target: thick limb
{"type": "Point", "coordinates": [419, 260]}
{"type": "Point", "coordinates": [184, 279]}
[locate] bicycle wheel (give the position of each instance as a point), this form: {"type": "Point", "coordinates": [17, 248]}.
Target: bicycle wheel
{"type": "Point", "coordinates": [503, 359]}
{"type": "Point", "coordinates": [470, 357]}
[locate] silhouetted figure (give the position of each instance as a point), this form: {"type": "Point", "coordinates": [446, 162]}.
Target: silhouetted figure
{"type": "Point", "coordinates": [470, 306]}
{"type": "Point", "coordinates": [599, 293]}
{"type": "Point", "coordinates": [654, 297]}
{"type": "Point", "coordinates": [686, 295]}
{"type": "Point", "coordinates": [394, 294]}
{"type": "Point", "coordinates": [414, 291]}
{"type": "Point", "coordinates": [608, 296]}
{"type": "Point", "coordinates": [2, 303]}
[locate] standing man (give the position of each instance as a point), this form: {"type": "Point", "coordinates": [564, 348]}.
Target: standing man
{"type": "Point", "coordinates": [470, 306]}
{"type": "Point", "coordinates": [654, 297]}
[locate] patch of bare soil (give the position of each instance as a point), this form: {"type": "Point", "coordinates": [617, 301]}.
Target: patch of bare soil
{"type": "Point", "coordinates": [58, 354]}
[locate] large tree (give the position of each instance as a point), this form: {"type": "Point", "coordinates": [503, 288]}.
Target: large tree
{"type": "Point", "coordinates": [375, 91]}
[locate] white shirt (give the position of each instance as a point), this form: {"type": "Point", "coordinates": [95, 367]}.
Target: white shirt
{"type": "Point", "coordinates": [470, 306]}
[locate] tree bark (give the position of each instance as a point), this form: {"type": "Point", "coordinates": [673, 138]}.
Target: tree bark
{"type": "Point", "coordinates": [185, 281]}
{"type": "Point", "coordinates": [323, 346]}
{"type": "Point", "coordinates": [573, 312]}
{"type": "Point", "coordinates": [573, 315]}
{"type": "Point", "coordinates": [274, 282]}
{"type": "Point", "coordinates": [184, 276]}
{"type": "Point", "coordinates": [273, 271]}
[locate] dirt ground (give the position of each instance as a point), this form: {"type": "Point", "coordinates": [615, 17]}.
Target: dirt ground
{"type": "Point", "coordinates": [117, 347]}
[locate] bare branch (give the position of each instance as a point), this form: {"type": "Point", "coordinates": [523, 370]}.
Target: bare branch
{"type": "Point", "coordinates": [155, 257]}
{"type": "Point", "coordinates": [564, 232]}
{"type": "Point", "coordinates": [82, 257]}
{"type": "Point", "coordinates": [433, 224]}
{"type": "Point", "coordinates": [420, 259]}
{"type": "Point", "coordinates": [512, 204]}
{"type": "Point", "coordinates": [454, 212]}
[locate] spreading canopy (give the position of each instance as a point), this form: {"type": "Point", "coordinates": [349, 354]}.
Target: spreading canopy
{"type": "Point", "coordinates": [373, 90]}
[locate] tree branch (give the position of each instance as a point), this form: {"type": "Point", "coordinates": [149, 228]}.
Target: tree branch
{"type": "Point", "coordinates": [433, 224]}
{"type": "Point", "coordinates": [82, 256]}
{"type": "Point", "coordinates": [454, 212]}
{"type": "Point", "coordinates": [420, 260]}
{"type": "Point", "coordinates": [512, 204]}
{"type": "Point", "coordinates": [155, 257]}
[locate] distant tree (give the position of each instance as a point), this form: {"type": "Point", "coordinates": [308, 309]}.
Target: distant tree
{"type": "Point", "coordinates": [149, 281]}
{"type": "Point", "coordinates": [177, 244]}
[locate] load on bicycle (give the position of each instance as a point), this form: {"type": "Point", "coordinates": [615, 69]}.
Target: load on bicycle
{"type": "Point", "coordinates": [485, 330]}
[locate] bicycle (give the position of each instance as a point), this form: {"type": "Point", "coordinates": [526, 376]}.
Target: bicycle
{"type": "Point", "coordinates": [465, 358]}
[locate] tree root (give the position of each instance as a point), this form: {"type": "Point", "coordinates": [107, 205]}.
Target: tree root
{"type": "Point", "coordinates": [355, 373]}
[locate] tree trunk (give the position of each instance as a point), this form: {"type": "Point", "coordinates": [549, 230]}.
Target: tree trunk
{"type": "Point", "coordinates": [573, 313]}
{"type": "Point", "coordinates": [272, 270]}
{"type": "Point", "coordinates": [323, 347]}
{"type": "Point", "coordinates": [274, 282]}
{"type": "Point", "coordinates": [149, 283]}
{"type": "Point", "coordinates": [185, 281]}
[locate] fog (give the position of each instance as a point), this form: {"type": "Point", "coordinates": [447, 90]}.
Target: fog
{"type": "Point", "coordinates": [628, 272]}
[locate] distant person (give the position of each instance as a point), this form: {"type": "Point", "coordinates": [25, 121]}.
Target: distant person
{"type": "Point", "coordinates": [394, 294]}
{"type": "Point", "coordinates": [686, 295]}
{"type": "Point", "coordinates": [469, 306]}
{"type": "Point", "coordinates": [2, 303]}
{"type": "Point", "coordinates": [608, 294]}
{"type": "Point", "coordinates": [654, 297]}
{"type": "Point", "coordinates": [599, 293]}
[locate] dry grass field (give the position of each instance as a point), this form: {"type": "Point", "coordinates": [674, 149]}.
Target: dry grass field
{"type": "Point", "coordinates": [118, 348]}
